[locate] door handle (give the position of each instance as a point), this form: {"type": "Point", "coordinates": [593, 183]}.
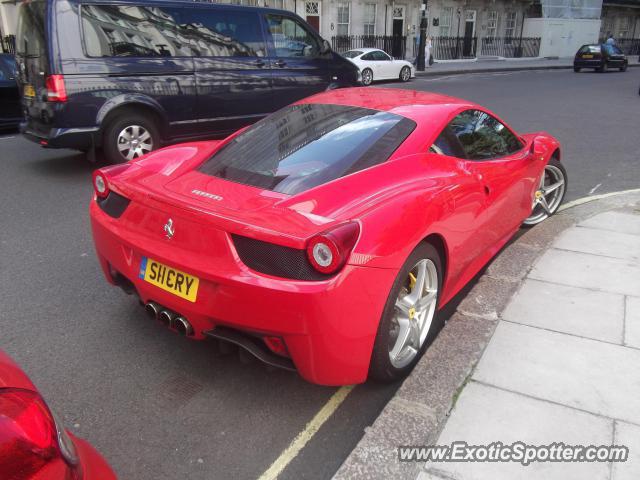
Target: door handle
{"type": "Point", "coordinates": [259, 63]}
{"type": "Point", "coordinates": [280, 63]}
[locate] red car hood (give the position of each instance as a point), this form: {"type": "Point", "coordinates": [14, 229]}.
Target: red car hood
{"type": "Point", "coordinates": [12, 376]}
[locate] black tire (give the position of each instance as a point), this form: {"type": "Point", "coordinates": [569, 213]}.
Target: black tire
{"type": "Point", "coordinates": [110, 139]}
{"type": "Point", "coordinates": [602, 67]}
{"type": "Point", "coordinates": [576, 69]}
{"type": "Point", "coordinates": [381, 368]}
{"type": "Point", "coordinates": [367, 77]}
{"type": "Point", "coordinates": [404, 76]}
{"type": "Point", "coordinates": [624, 67]}
{"type": "Point", "coordinates": [554, 162]}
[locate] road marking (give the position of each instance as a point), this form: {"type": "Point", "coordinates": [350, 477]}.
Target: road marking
{"type": "Point", "coordinates": [307, 434]}
{"type": "Point", "coordinates": [6, 138]}
{"type": "Point", "coordinates": [594, 189]}
{"type": "Point", "coordinates": [580, 201]}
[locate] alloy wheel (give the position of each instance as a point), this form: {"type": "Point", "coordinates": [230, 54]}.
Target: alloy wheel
{"type": "Point", "coordinates": [367, 77]}
{"type": "Point", "coordinates": [415, 308]}
{"type": "Point", "coordinates": [134, 141]}
{"type": "Point", "coordinates": [405, 74]}
{"type": "Point", "coordinates": [548, 196]}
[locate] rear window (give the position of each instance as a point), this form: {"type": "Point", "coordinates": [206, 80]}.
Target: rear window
{"type": "Point", "coordinates": [303, 146]}
{"type": "Point", "coordinates": [590, 49]}
{"type": "Point", "coordinates": [31, 37]}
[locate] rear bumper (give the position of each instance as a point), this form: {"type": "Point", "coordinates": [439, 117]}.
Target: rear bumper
{"type": "Point", "coordinates": [76, 138]}
{"type": "Point", "coordinates": [328, 326]}
{"type": "Point", "coordinates": [588, 63]}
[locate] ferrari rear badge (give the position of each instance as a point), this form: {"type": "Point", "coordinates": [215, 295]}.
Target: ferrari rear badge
{"type": "Point", "coordinates": [168, 229]}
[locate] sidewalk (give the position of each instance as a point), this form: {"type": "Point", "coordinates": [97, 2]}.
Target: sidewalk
{"type": "Point", "coordinates": [454, 67]}
{"type": "Point", "coordinates": [563, 364]}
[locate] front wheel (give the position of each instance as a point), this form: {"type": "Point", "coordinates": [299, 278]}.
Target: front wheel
{"type": "Point", "coordinates": [128, 137]}
{"type": "Point", "coordinates": [409, 320]}
{"type": "Point", "coordinates": [367, 77]}
{"type": "Point", "coordinates": [405, 74]}
{"type": "Point", "coordinates": [549, 194]}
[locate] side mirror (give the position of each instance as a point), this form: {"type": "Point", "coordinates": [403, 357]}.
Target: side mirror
{"type": "Point", "coordinates": [325, 48]}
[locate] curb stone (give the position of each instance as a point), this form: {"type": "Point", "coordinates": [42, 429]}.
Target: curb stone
{"type": "Point", "coordinates": [419, 409]}
{"type": "Point", "coordinates": [510, 68]}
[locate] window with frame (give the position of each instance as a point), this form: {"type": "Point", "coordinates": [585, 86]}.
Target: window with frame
{"type": "Point", "coordinates": [291, 38]}
{"type": "Point", "coordinates": [343, 19]}
{"type": "Point", "coordinates": [607, 26]}
{"type": "Point", "coordinates": [624, 25]}
{"type": "Point", "coordinates": [492, 24]}
{"type": "Point", "coordinates": [277, 4]}
{"type": "Point", "coordinates": [483, 137]}
{"type": "Point", "coordinates": [510, 25]}
{"type": "Point", "coordinates": [445, 21]}
{"type": "Point", "coordinates": [370, 18]}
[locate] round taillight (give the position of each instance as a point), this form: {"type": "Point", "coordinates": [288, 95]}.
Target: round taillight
{"type": "Point", "coordinates": [328, 251]}
{"type": "Point", "coordinates": [100, 184]}
{"type": "Point", "coordinates": [30, 438]}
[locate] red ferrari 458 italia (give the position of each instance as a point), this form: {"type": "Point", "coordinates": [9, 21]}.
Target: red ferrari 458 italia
{"type": "Point", "coordinates": [325, 237]}
{"type": "Point", "coordinates": [33, 443]}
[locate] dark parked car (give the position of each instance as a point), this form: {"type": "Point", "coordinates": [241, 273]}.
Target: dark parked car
{"type": "Point", "coordinates": [600, 57]}
{"type": "Point", "coordinates": [129, 77]}
{"type": "Point", "coordinates": [10, 108]}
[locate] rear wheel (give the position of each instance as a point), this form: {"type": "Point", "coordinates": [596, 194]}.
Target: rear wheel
{"type": "Point", "coordinates": [405, 74]}
{"type": "Point", "coordinates": [129, 136]}
{"type": "Point", "coordinates": [409, 320]}
{"type": "Point", "coordinates": [367, 77]}
{"type": "Point", "coordinates": [602, 67]}
{"type": "Point", "coordinates": [550, 193]}
{"type": "Point", "coordinates": [623, 68]}
{"type": "Point", "coordinates": [576, 69]}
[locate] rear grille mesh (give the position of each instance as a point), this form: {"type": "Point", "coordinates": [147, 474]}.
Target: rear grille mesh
{"type": "Point", "coordinates": [276, 260]}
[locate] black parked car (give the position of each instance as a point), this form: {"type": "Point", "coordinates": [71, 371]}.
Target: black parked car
{"type": "Point", "coordinates": [10, 108]}
{"type": "Point", "coordinates": [600, 57]}
{"type": "Point", "coordinates": [131, 76]}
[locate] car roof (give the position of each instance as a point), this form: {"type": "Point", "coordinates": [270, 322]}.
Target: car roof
{"type": "Point", "coordinates": [365, 50]}
{"type": "Point", "coordinates": [409, 103]}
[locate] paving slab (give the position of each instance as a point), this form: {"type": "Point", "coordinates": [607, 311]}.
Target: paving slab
{"type": "Point", "coordinates": [485, 414]}
{"type": "Point", "coordinates": [598, 377]}
{"type": "Point", "coordinates": [600, 242]}
{"type": "Point", "coordinates": [573, 310]}
{"type": "Point", "coordinates": [588, 271]}
{"type": "Point", "coordinates": [622, 222]}
{"type": "Point", "coordinates": [629, 436]}
{"type": "Point", "coordinates": [632, 322]}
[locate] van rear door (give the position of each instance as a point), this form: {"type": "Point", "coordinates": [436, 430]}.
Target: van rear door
{"type": "Point", "coordinates": [32, 56]}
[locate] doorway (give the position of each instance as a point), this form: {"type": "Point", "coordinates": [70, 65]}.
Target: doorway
{"type": "Point", "coordinates": [312, 12]}
{"type": "Point", "coordinates": [397, 32]}
{"type": "Point", "coordinates": [468, 45]}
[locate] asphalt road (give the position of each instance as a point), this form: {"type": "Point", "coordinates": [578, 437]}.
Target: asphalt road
{"type": "Point", "coordinates": [159, 406]}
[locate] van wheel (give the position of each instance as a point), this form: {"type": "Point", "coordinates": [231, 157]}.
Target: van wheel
{"type": "Point", "coordinates": [409, 321]}
{"type": "Point", "coordinates": [367, 77]}
{"type": "Point", "coordinates": [128, 137]}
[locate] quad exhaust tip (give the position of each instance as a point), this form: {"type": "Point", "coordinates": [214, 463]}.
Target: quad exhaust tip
{"type": "Point", "coordinates": [169, 319]}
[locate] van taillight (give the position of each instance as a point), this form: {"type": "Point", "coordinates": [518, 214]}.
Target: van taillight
{"type": "Point", "coordinates": [55, 89]}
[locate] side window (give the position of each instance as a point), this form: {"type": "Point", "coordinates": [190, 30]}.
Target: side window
{"type": "Point", "coordinates": [216, 32]}
{"type": "Point", "coordinates": [381, 56]}
{"type": "Point", "coordinates": [483, 137]}
{"type": "Point", "coordinates": [447, 144]}
{"type": "Point", "coordinates": [368, 56]}
{"type": "Point", "coordinates": [130, 31]}
{"type": "Point", "coordinates": [291, 38]}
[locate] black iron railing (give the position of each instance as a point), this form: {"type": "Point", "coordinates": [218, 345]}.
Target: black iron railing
{"type": "Point", "coordinates": [451, 48]}
{"type": "Point", "coordinates": [8, 44]}
{"type": "Point", "coordinates": [630, 46]}
{"type": "Point", "coordinates": [510, 47]}
{"type": "Point", "coordinates": [396, 46]}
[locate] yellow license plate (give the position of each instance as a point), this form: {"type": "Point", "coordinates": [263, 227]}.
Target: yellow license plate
{"type": "Point", "coordinates": [169, 279]}
{"type": "Point", "coordinates": [29, 91]}
{"type": "Point", "coordinates": [587, 56]}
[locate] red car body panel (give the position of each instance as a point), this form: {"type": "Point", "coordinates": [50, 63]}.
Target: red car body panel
{"type": "Point", "coordinates": [329, 326]}
{"type": "Point", "coordinates": [91, 465]}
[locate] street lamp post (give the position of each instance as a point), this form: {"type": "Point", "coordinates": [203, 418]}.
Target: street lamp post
{"type": "Point", "coordinates": [423, 36]}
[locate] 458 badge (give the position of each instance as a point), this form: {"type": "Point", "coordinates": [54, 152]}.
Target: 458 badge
{"type": "Point", "coordinates": [169, 279]}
